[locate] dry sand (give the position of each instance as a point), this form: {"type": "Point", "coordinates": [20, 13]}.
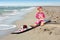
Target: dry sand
{"type": "Point", "coordinates": [46, 32]}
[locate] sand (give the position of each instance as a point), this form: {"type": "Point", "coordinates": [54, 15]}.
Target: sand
{"type": "Point", "coordinates": [49, 31]}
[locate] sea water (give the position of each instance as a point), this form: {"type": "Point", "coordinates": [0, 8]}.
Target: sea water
{"type": "Point", "coordinates": [6, 29]}
{"type": "Point", "coordinates": [8, 15]}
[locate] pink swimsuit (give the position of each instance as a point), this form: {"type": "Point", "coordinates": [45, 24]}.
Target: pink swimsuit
{"type": "Point", "coordinates": [40, 17]}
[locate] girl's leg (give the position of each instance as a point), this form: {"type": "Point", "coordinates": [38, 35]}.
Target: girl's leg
{"type": "Point", "coordinates": [42, 23]}
{"type": "Point", "coordinates": [35, 24]}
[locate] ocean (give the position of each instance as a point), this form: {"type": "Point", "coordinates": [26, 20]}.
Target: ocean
{"type": "Point", "coordinates": [8, 15]}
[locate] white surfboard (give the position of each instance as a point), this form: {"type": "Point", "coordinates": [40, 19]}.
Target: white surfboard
{"type": "Point", "coordinates": [19, 31]}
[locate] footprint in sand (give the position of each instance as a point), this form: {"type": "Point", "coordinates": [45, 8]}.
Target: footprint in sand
{"type": "Point", "coordinates": [50, 33]}
{"type": "Point", "coordinates": [46, 30]}
{"type": "Point", "coordinates": [54, 30]}
{"type": "Point", "coordinates": [57, 17]}
{"type": "Point", "coordinates": [40, 28]}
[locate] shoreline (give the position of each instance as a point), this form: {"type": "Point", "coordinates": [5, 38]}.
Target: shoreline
{"type": "Point", "coordinates": [22, 21]}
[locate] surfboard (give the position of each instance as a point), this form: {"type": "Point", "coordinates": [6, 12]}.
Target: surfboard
{"type": "Point", "coordinates": [28, 28]}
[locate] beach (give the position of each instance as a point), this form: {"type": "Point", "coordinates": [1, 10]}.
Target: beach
{"type": "Point", "coordinates": [50, 31]}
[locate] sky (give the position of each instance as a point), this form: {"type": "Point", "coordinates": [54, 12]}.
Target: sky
{"type": "Point", "coordinates": [29, 2]}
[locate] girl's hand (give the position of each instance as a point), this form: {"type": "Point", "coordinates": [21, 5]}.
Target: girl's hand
{"type": "Point", "coordinates": [40, 17]}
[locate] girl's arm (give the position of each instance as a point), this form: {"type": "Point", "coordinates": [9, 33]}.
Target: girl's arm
{"type": "Point", "coordinates": [42, 16]}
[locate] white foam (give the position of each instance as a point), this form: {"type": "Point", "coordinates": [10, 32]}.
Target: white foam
{"type": "Point", "coordinates": [6, 27]}
{"type": "Point", "coordinates": [3, 17]}
{"type": "Point", "coordinates": [19, 15]}
{"type": "Point", "coordinates": [28, 9]}
{"type": "Point", "coordinates": [11, 13]}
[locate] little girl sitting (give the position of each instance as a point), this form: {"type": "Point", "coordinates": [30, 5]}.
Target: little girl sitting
{"type": "Point", "coordinates": [40, 16]}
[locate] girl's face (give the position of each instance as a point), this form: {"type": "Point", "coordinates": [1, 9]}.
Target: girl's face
{"type": "Point", "coordinates": [40, 10]}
